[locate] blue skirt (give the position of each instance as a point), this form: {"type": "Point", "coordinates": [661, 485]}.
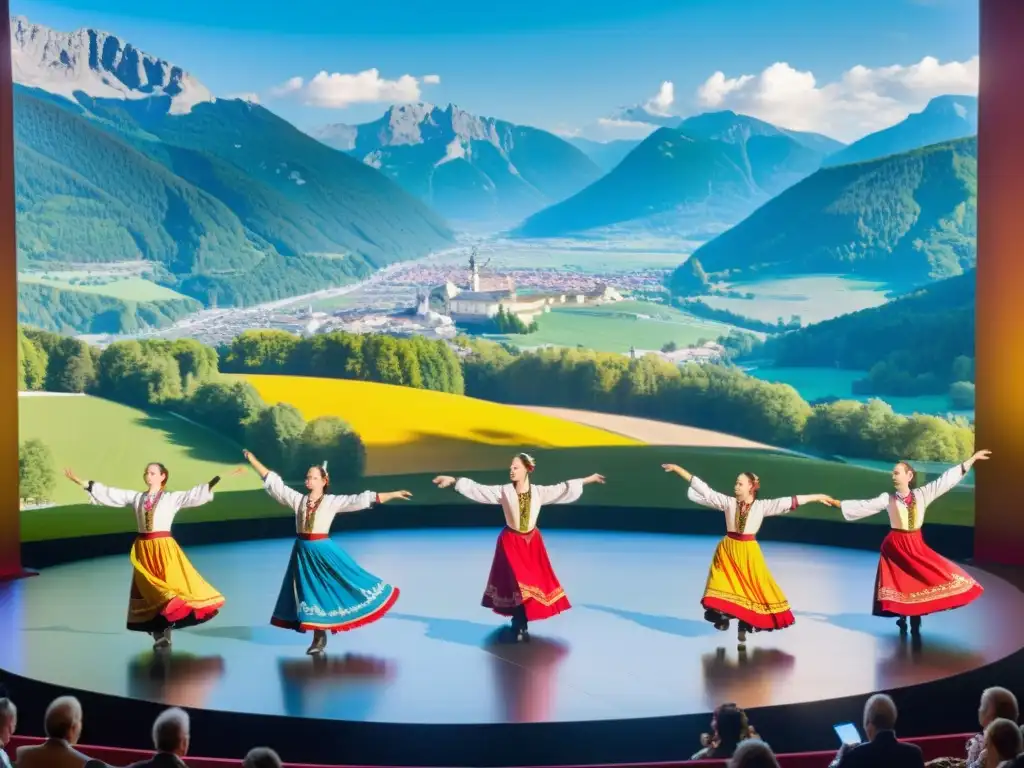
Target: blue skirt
{"type": "Point", "coordinates": [324, 589]}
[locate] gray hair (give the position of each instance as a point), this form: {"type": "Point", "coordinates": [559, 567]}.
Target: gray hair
{"type": "Point", "coordinates": [1002, 702]}
{"type": "Point", "coordinates": [261, 757]}
{"type": "Point", "coordinates": [170, 729]}
{"type": "Point", "coordinates": [63, 714]}
{"type": "Point", "coordinates": [1004, 737]}
{"type": "Point", "coordinates": [753, 753]}
{"type": "Point", "coordinates": [880, 712]}
{"type": "Point", "coordinates": [8, 711]}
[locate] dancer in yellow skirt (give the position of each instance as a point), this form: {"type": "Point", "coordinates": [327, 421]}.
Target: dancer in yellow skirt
{"type": "Point", "coordinates": [739, 585]}
{"type": "Point", "coordinates": [167, 592]}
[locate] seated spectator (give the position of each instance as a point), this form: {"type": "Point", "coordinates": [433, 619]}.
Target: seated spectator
{"type": "Point", "coordinates": [1002, 742]}
{"type": "Point", "coordinates": [729, 727]}
{"type": "Point", "coordinates": [881, 748]}
{"type": "Point", "coordinates": [8, 724]}
{"type": "Point", "coordinates": [171, 736]}
{"type": "Point", "coordinates": [753, 753]}
{"type": "Point", "coordinates": [995, 703]}
{"type": "Point", "coordinates": [62, 724]}
{"type": "Point", "coordinates": [261, 757]}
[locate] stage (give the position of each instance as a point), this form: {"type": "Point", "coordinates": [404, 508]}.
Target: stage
{"type": "Point", "coordinates": [633, 649]}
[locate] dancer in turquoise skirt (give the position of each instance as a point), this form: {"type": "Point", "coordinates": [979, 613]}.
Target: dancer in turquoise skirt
{"type": "Point", "coordinates": [323, 589]}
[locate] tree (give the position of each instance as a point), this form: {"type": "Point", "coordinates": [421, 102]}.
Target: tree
{"type": "Point", "coordinates": [36, 473]}
{"type": "Point", "coordinates": [272, 435]}
{"type": "Point", "coordinates": [72, 369]}
{"type": "Point", "coordinates": [225, 408]}
{"type": "Point", "coordinates": [689, 279]}
{"type": "Point", "coordinates": [32, 362]}
{"type": "Point", "coordinates": [330, 439]}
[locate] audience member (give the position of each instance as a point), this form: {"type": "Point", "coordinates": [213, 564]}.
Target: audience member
{"type": "Point", "coordinates": [8, 725]}
{"type": "Point", "coordinates": [1002, 742]}
{"type": "Point", "coordinates": [171, 734]}
{"type": "Point", "coordinates": [881, 748]}
{"type": "Point", "coordinates": [995, 703]}
{"type": "Point", "coordinates": [753, 753]}
{"type": "Point", "coordinates": [62, 725]}
{"type": "Point", "coordinates": [729, 727]}
{"type": "Point", "coordinates": [261, 757]}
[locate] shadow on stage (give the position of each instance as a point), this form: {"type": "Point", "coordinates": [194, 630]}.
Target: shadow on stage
{"type": "Point", "coordinates": [177, 679]}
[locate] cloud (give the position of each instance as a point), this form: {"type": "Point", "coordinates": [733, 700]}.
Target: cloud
{"type": "Point", "coordinates": [662, 101]}
{"type": "Point", "coordinates": [338, 90]}
{"type": "Point", "coordinates": [861, 101]}
{"type": "Point", "coordinates": [611, 128]}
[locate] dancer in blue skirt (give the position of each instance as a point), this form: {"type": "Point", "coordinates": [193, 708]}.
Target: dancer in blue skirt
{"type": "Point", "coordinates": [323, 588]}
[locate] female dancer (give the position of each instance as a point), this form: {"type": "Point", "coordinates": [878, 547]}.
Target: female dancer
{"type": "Point", "coordinates": [167, 592]}
{"type": "Point", "coordinates": [739, 584]}
{"type": "Point", "coordinates": [913, 580]}
{"type": "Point", "coordinates": [522, 583]}
{"type": "Point", "coordinates": [323, 588]}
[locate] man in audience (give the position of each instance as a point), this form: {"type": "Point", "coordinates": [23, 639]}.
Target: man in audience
{"type": "Point", "coordinates": [753, 753]}
{"type": "Point", "coordinates": [62, 725]}
{"type": "Point", "coordinates": [1002, 742]}
{"type": "Point", "coordinates": [995, 703]}
{"type": "Point", "coordinates": [8, 724]}
{"type": "Point", "coordinates": [261, 757]}
{"type": "Point", "coordinates": [881, 750]}
{"type": "Point", "coordinates": [171, 732]}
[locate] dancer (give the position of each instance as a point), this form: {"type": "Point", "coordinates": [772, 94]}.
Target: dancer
{"type": "Point", "coordinates": [323, 588]}
{"type": "Point", "coordinates": [739, 584]}
{"type": "Point", "coordinates": [167, 592]}
{"type": "Point", "coordinates": [522, 584]}
{"type": "Point", "coordinates": [913, 580]}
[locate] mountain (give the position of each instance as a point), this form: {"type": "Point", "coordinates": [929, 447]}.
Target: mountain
{"type": "Point", "coordinates": [606, 154]}
{"type": "Point", "coordinates": [906, 218]}
{"type": "Point", "coordinates": [726, 125]}
{"type": "Point", "coordinates": [944, 119]}
{"type": "Point", "coordinates": [468, 168]}
{"type": "Point", "coordinates": [231, 204]}
{"type": "Point", "coordinates": [917, 344]}
{"type": "Point", "coordinates": [699, 178]}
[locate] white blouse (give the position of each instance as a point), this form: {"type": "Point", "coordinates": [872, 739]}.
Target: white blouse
{"type": "Point", "coordinates": [899, 514]}
{"type": "Point", "coordinates": [506, 496]}
{"type": "Point", "coordinates": [701, 493]}
{"type": "Point", "coordinates": [162, 513]}
{"type": "Point", "coordinates": [319, 519]}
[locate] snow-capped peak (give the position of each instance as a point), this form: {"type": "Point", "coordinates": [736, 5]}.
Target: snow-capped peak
{"type": "Point", "coordinates": [99, 65]}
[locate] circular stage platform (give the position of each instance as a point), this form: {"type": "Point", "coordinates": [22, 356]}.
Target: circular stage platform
{"type": "Point", "coordinates": [634, 646]}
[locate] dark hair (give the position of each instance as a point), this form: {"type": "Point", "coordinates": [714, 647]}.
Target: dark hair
{"type": "Point", "coordinates": [528, 461]}
{"type": "Point", "coordinates": [913, 480]}
{"type": "Point", "coordinates": [163, 471]}
{"type": "Point", "coordinates": [730, 728]}
{"type": "Point", "coordinates": [755, 484]}
{"type": "Point", "coordinates": [262, 757]}
{"type": "Point", "coordinates": [323, 473]}
{"type": "Point", "coordinates": [1005, 738]}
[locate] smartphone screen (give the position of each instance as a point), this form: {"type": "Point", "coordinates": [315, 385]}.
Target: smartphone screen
{"type": "Point", "coordinates": [847, 733]}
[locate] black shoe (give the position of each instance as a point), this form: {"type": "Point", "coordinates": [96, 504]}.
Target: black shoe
{"type": "Point", "coordinates": [915, 625]}
{"type": "Point", "coordinates": [901, 622]}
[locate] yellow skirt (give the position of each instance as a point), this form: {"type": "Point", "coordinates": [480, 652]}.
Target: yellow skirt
{"type": "Point", "coordinates": [167, 591]}
{"type": "Point", "coordinates": [740, 586]}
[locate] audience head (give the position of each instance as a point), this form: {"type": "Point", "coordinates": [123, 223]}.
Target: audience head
{"type": "Point", "coordinates": [8, 720]}
{"type": "Point", "coordinates": [261, 757]}
{"type": "Point", "coordinates": [171, 732]}
{"type": "Point", "coordinates": [1002, 741]}
{"type": "Point", "coordinates": [753, 753]}
{"type": "Point", "coordinates": [996, 703]}
{"type": "Point", "coordinates": [730, 725]}
{"type": "Point", "coordinates": [63, 719]}
{"type": "Point", "coordinates": [879, 715]}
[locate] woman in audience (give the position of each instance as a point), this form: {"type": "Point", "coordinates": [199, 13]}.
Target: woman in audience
{"type": "Point", "coordinates": [739, 584]}
{"type": "Point", "coordinates": [729, 728]}
{"type": "Point", "coordinates": [522, 583]}
{"type": "Point", "coordinates": [167, 592]}
{"type": "Point", "coordinates": [753, 753]}
{"type": "Point", "coordinates": [323, 588]}
{"type": "Point", "coordinates": [913, 580]}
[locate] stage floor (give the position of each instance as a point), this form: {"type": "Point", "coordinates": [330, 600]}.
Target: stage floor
{"type": "Point", "coordinates": [634, 645]}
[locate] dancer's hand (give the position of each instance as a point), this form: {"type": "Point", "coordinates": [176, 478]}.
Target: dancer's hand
{"type": "Point", "coordinates": [73, 477]}
{"type": "Point", "coordinates": [444, 481]}
{"type": "Point", "coordinates": [237, 471]}
{"type": "Point", "coordinates": [981, 456]}
{"type": "Point", "coordinates": [678, 470]}
{"type": "Point", "coordinates": [595, 478]}
{"type": "Point", "coordinates": [832, 502]}
{"type": "Point", "coordinates": [386, 497]}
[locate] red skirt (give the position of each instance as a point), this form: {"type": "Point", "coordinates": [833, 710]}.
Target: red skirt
{"type": "Point", "coordinates": [915, 580]}
{"type": "Point", "coordinates": [521, 575]}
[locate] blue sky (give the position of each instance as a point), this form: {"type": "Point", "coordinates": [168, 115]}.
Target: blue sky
{"type": "Point", "coordinates": [557, 64]}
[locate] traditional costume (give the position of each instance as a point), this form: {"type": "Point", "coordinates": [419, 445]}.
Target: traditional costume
{"type": "Point", "coordinates": [323, 588]}
{"type": "Point", "coordinates": [739, 584]}
{"type": "Point", "coordinates": [522, 583]}
{"type": "Point", "coordinates": [914, 580]}
{"type": "Point", "coordinates": [167, 592]}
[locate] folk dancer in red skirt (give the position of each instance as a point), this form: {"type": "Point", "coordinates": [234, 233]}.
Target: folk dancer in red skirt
{"type": "Point", "coordinates": [167, 592]}
{"type": "Point", "coordinates": [739, 584]}
{"type": "Point", "coordinates": [913, 580]}
{"type": "Point", "coordinates": [522, 584]}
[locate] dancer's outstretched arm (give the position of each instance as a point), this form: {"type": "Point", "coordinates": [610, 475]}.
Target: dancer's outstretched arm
{"type": "Point", "coordinates": [699, 491]}
{"type": "Point", "coordinates": [859, 509]}
{"type": "Point", "coordinates": [949, 479]}
{"type": "Point", "coordinates": [103, 494]}
{"type": "Point", "coordinates": [785, 504]}
{"type": "Point", "coordinates": [482, 494]}
{"type": "Point", "coordinates": [200, 494]}
{"type": "Point", "coordinates": [274, 485]}
{"type": "Point", "coordinates": [566, 492]}
{"type": "Point", "coordinates": [339, 503]}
